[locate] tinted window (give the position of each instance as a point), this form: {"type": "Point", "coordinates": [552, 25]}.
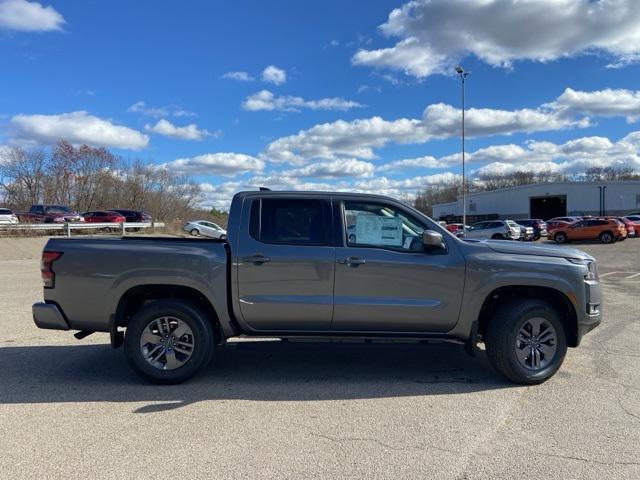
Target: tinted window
{"type": "Point", "coordinates": [58, 209]}
{"type": "Point", "coordinates": [380, 225]}
{"type": "Point", "coordinates": [287, 222]}
{"type": "Point", "coordinates": [5, 211]}
{"type": "Point", "coordinates": [479, 225]}
{"type": "Point", "coordinates": [495, 225]}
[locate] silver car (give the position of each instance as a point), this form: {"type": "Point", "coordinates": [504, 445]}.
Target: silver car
{"type": "Point", "coordinates": [206, 229]}
{"type": "Point", "coordinates": [494, 229]}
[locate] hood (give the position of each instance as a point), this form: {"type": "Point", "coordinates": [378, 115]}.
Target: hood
{"type": "Point", "coordinates": [519, 248]}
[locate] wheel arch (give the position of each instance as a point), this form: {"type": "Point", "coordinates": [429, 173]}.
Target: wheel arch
{"type": "Point", "coordinates": [557, 299]}
{"type": "Point", "coordinates": [136, 297]}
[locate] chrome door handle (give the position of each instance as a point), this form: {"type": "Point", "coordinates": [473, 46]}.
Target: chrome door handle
{"type": "Point", "coordinates": [352, 261]}
{"type": "Point", "coordinates": [257, 259]}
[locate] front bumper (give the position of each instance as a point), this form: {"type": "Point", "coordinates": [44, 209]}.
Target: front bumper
{"type": "Point", "coordinates": [49, 316]}
{"type": "Point", "coordinates": [591, 315]}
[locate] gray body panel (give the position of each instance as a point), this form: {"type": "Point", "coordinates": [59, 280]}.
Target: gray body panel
{"type": "Point", "coordinates": [306, 289]}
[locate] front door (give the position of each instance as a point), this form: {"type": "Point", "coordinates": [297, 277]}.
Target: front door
{"type": "Point", "coordinates": [286, 265]}
{"type": "Point", "coordinates": [386, 281]}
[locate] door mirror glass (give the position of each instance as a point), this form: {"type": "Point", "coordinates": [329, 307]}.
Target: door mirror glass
{"type": "Point", "coordinates": [432, 240]}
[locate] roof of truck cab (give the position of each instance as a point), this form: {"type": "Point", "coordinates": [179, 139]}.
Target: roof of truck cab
{"type": "Point", "coordinates": [267, 193]}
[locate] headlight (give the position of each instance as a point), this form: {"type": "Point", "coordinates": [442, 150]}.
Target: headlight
{"type": "Point", "coordinates": [590, 267]}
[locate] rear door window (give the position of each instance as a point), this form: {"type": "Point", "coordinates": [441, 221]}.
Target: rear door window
{"type": "Point", "coordinates": [292, 221]}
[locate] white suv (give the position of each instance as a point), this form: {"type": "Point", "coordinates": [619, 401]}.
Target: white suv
{"type": "Point", "coordinates": [495, 229]}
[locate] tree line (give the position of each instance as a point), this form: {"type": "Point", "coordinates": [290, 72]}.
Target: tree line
{"type": "Point", "coordinates": [450, 191]}
{"type": "Point", "coordinates": [87, 178]}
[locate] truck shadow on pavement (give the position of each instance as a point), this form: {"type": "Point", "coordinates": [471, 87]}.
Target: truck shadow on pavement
{"type": "Point", "coordinates": [259, 371]}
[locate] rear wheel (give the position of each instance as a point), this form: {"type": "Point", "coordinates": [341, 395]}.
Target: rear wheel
{"type": "Point", "coordinates": [168, 341]}
{"type": "Point", "coordinates": [606, 237]}
{"type": "Point", "coordinates": [526, 341]}
{"type": "Point", "coordinates": [560, 237]}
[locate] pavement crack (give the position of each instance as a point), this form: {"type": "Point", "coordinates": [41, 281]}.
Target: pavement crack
{"type": "Point", "coordinates": [586, 460]}
{"type": "Point", "coordinates": [341, 440]}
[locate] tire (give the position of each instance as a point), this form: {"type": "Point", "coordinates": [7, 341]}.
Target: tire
{"type": "Point", "coordinates": [198, 333]}
{"type": "Point", "coordinates": [504, 334]}
{"type": "Point", "coordinates": [560, 237]}
{"type": "Point", "coordinates": [497, 236]}
{"type": "Point", "coordinates": [195, 232]}
{"type": "Point", "coordinates": [606, 237]}
{"type": "Point", "coordinates": [223, 237]}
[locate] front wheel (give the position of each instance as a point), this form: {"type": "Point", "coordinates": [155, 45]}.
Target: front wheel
{"type": "Point", "coordinates": [168, 341]}
{"type": "Point", "coordinates": [195, 232]}
{"type": "Point", "coordinates": [497, 236]}
{"type": "Point", "coordinates": [526, 341]}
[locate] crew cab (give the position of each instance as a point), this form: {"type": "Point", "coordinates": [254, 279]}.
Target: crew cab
{"type": "Point", "coordinates": [321, 264]}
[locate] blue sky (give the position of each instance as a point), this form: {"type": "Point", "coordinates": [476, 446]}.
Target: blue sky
{"type": "Point", "coordinates": [326, 95]}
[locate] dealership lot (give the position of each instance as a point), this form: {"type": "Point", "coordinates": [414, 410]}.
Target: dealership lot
{"type": "Point", "coordinates": [73, 408]}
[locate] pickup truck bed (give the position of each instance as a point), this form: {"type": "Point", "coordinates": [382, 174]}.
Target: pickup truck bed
{"type": "Point", "coordinates": [320, 264]}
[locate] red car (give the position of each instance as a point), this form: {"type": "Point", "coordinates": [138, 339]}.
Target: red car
{"type": "Point", "coordinates": [554, 225]}
{"type": "Point", "coordinates": [628, 224]}
{"type": "Point", "coordinates": [103, 216]}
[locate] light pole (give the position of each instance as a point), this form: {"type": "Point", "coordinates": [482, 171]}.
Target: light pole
{"type": "Point", "coordinates": [463, 76]}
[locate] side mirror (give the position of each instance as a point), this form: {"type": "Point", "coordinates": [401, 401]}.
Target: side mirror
{"type": "Point", "coordinates": [432, 240]}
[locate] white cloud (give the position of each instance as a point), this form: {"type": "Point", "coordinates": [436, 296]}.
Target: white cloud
{"type": "Point", "coordinates": [434, 35]}
{"type": "Point", "coordinates": [222, 163]}
{"type": "Point", "coordinates": [188, 132]}
{"type": "Point", "coordinates": [75, 127]}
{"type": "Point", "coordinates": [275, 75]}
{"type": "Point", "coordinates": [354, 139]}
{"type": "Point", "coordinates": [265, 100]}
{"type": "Point", "coordinates": [359, 138]}
{"type": "Point", "coordinates": [220, 195]}
{"type": "Point", "coordinates": [397, 166]}
{"type": "Point", "coordinates": [333, 169]}
{"type": "Point", "coordinates": [29, 17]}
{"type": "Point", "coordinates": [157, 112]}
{"type": "Point", "coordinates": [239, 76]}
{"type": "Point", "coordinates": [608, 102]}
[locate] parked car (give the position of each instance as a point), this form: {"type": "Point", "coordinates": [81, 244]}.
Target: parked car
{"type": "Point", "coordinates": [635, 220]}
{"type": "Point", "coordinates": [50, 214]}
{"type": "Point", "coordinates": [103, 216]}
{"type": "Point", "coordinates": [456, 229]}
{"type": "Point", "coordinates": [136, 216]}
{"type": "Point", "coordinates": [539, 226]}
{"type": "Point", "coordinates": [607, 231]}
{"type": "Point", "coordinates": [526, 233]}
{"type": "Point", "coordinates": [206, 229]}
{"type": "Point", "coordinates": [289, 270]}
{"type": "Point", "coordinates": [494, 229]}
{"type": "Point", "coordinates": [554, 225]}
{"type": "Point", "coordinates": [7, 217]}
{"type": "Point", "coordinates": [628, 224]}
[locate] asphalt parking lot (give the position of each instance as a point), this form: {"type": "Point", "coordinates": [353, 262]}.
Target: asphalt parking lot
{"type": "Point", "coordinates": [73, 409]}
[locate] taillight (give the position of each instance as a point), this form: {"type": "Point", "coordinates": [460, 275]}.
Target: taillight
{"type": "Point", "coordinates": [48, 275]}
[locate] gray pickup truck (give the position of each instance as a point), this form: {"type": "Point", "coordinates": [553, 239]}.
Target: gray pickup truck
{"type": "Point", "coordinates": [321, 265]}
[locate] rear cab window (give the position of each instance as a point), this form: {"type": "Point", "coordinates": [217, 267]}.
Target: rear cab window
{"type": "Point", "coordinates": [290, 221]}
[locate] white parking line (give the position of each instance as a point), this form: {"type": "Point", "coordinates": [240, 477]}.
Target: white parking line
{"type": "Point", "coordinates": [632, 276]}
{"type": "Point", "coordinates": [605, 274]}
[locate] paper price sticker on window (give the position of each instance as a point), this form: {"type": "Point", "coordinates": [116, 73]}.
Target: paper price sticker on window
{"type": "Point", "coordinates": [374, 230]}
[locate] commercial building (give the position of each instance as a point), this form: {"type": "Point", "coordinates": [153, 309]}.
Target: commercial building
{"type": "Point", "coordinates": [546, 200]}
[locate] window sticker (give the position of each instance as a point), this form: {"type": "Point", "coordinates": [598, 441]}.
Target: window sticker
{"type": "Point", "coordinates": [375, 230]}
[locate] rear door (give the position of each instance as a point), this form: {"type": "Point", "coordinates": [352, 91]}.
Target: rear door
{"type": "Point", "coordinates": [285, 264]}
